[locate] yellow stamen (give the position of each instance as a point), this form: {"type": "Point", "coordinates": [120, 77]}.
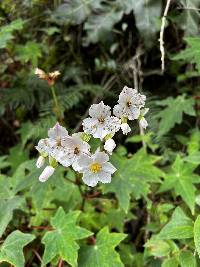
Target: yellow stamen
{"type": "Point", "coordinates": [95, 167]}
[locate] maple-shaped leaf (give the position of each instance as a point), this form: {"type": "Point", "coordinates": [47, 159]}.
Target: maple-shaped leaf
{"type": "Point", "coordinates": [133, 176]}
{"type": "Point", "coordinates": [12, 249]}
{"type": "Point", "coordinates": [179, 227]}
{"type": "Point", "coordinates": [62, 240]}
{"type": "Point", "coordinates": [191, 53]}
{"type": "Point", "coordinates": [103, 253]}
{"type": "Point", "coordinates": [181, 178]}
{"type": "Point", "coordinates": [173, 112]}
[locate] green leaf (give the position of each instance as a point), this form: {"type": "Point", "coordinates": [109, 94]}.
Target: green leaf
{"type": "Point", "coordinates": [190, 17]}
{"type": "Point", "coordinates": [102, 253]}
{"type": "Point", "coordinates": [99, 25]}
{"type": "Point", "coordinates": [172, 262]}
{"type": "Point", "coordinates": [12, 249]}
{"type": "Point", "coordinates": [133, 176]}
{"type": "Point", "coordinates": [62, 240]}
{"type": "Point", "coordinates": [7, 206]}
{"type": "Point", "coordinates": [187, 259]}
{"type": "Point", "coordinates": [30, 52]}
{"type": "Point", "coordinates": [197, 234]}
{"type": "Point", "coordinates": [147, 14]}
{"type": "Point", "coordinates": [6, 32]}
{"type": "Point", "coordinates": [178, 106]}
{"type": "Point", "coordinates": [191, 53]}
{"type": "Point", "coordinates": [158, 248]}
{"type": "Point", "coordinates": [179, 227]}
{"type": "Point", "coordinates": [193, 158]}
{"type": "Point", "coordinates": [180, 179]}
{"type": "Point", "coordinates": [75, 12]}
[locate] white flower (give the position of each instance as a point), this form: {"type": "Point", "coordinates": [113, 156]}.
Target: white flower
{"type": "Point", "coordinates": [47, 172]}
{"type": "Point", "coordinates": [130, 103]}
{"type": "Point", "coordinates": [125, 128]}
{"type": "Point", "coordinates": [73, 148]}
{"type": "Point", "coordinates": [101, 122]}
{"type": "Point", "coordinates": [57, 134]}
{"type": "Point", "coordinates": [142, 121]}
{"type": "Point", "coordinates": [109, 145]}
{"type": "Point", "coordinates": [44, 147]}
{"type": "Point", "coordinates": [40, 162]}
{"type": "Point", "coordinates": [96, 168]}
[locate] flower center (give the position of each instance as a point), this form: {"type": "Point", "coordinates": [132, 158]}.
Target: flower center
{"type": "Point", "coordinates": [95, 167]}
{"type": "Point", "coordinates": [76, 150]}
{"type": "Point", "coordinates": [129, 104]}
{"type": "Point", "coordinates": [58, 141]}
{"type": "Point", "coordinates": [101, 120]}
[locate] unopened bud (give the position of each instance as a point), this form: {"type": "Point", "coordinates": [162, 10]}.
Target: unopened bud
{"type": "Point", "coordinates": [109, 145]}
{"type": "Point", "coordinates": [125, 128]}
{"type": "Point", "coordinates": [47, 172]}
{"type": "Point", "coordinates": [40, 162]}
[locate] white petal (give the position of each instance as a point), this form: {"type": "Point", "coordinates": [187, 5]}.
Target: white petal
{"type": "Point", "coordinates": [134, 113]}
{"type": "Point", "coordinates": [57, 132]}
{"type": "Point", "coordinates": [40, 162]}
{"type": "Point", "coordinates": [76, 166]}
{"type": "Point", "coordinates": [118, 110]}
{"type": "Point", "coordinates": [90, 179]}
{"type": "Point", "coordinates": [47, 172]}
{"type": "Point", "coordinates": [90, 125]}
{"type": "Point", "coordinates": [99, 110]}
{"type": "Point", "coordinates": [104, 177]}
{"type": "Point", "coordinates": [109, 145]}
{"type": "Point", "coordinates": [143, 123]}
{"type": "Point", "coordinates": [100, 157]}
{"type": "Point", "coordinates": [84, 162]}
{"type": "Point", "coordinates": [108, 167]}
{"type": "Point", "coordinates": [125, 128]}
{"type": "Point", "coordinates": [112, 125]}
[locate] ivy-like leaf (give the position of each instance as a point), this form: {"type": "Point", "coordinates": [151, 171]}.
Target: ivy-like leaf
{"type": "Point", "coordinates": [179, 227]}
{"type": "Point", "coordinates": [146, 16]}
{"type": "Point", "coordinates": [191, 53]}
{"type": "Point", "coordinates": [99, 25]}
{"type": "Point", "coordinates": [103, 253]}
{"type": "Point", "coordinates": [190, 17]}
{"type": "Point", "coordinates": [181, 179]}
{"type": "Point", "coordinates": [178, 106]}
{"type": "Point", "coordinates": [12, 249]}
{"type": "Point", "coordinates": [133, 176]}
{"type": "Point", "coordinates": [62, 240]}
{"type": "Point", "coordinates": [75, 12]}
{"type": "Point", "coordinates": [7, 206]}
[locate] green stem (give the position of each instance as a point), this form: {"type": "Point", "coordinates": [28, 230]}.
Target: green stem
{"type": "Point", "coordinates": [55, 99]}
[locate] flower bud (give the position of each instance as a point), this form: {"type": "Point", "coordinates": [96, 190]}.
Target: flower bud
{"type": "Point", "coordinates": [125, 128]}
{"type": "Point", "coordinates": [109, 145]}
{"type": "Point", "coordinates": [40, 162]}
{"type": "Point", "coordinates": [143, 123]}
{"type": "Point", "coordinates": [47, 172]}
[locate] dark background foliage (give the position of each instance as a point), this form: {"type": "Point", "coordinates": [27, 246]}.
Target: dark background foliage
{"type": "Point", "coordinates": [100, 46]}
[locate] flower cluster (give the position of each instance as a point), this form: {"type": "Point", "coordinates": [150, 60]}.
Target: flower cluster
{"type": "Point", "coordinates": [75, 151]}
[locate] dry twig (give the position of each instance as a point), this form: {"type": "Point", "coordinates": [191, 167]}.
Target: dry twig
{"type": "Point", "coordinates": [161, 39]}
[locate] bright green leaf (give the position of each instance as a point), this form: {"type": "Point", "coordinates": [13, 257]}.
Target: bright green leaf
{"type": "Point", "coordinates": [12, 249]}
{"type": "Point", "coordinates": [179, 227]}
{"type": "Point", "coordinates": [178, 106]}
{"type": "Point", "coordinates": [180, 179]}
{"type": "Point", "coordinates": [187, 259]}
{"type": "Point", "coordinates": [102, 253]}
{"type": "Point", "coordinates": [62, 240]}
